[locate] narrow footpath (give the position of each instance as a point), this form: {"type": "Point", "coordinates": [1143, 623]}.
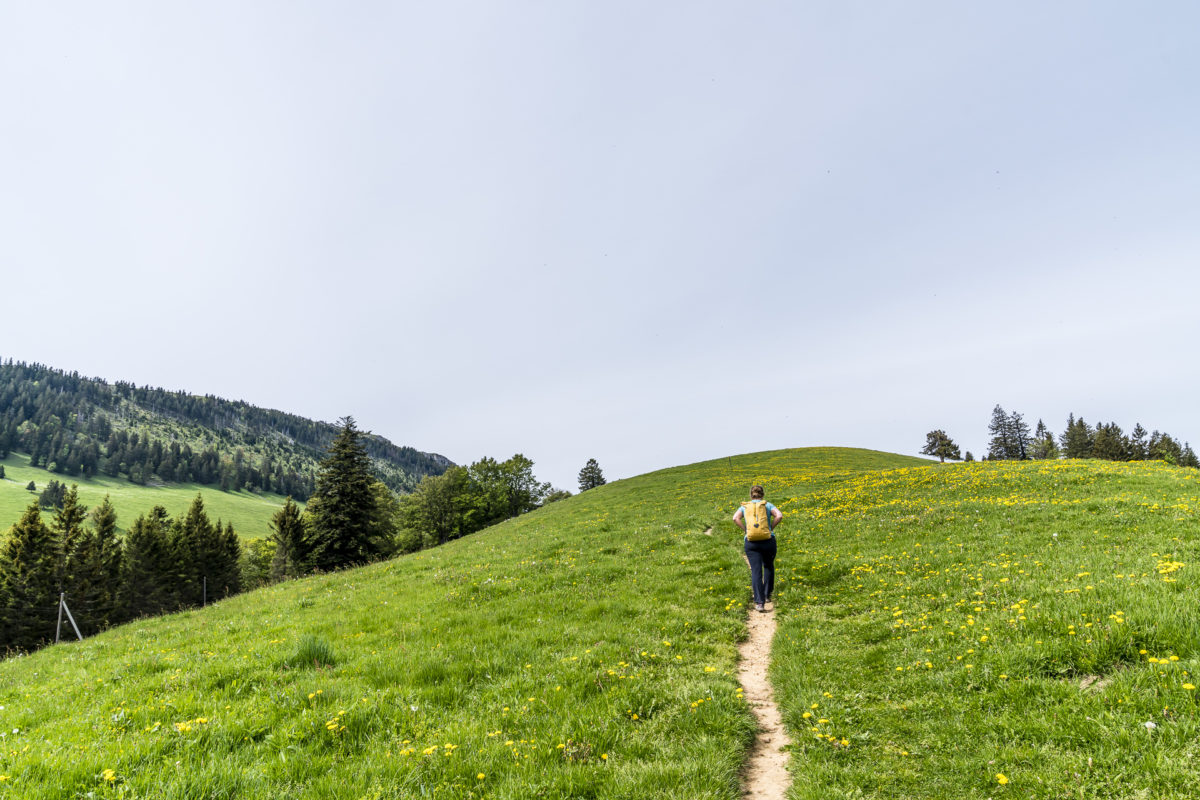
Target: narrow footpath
{"type": "Point", "coordinates": [766, 776]}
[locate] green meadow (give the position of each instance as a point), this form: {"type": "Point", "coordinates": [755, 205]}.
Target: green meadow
{"type": "Point", "coordinates": [250, 513]}
{"type": "Point", "coordinates": [972, 630]}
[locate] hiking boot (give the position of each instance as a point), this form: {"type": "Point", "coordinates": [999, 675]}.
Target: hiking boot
{"type": "Point", "coordinates": [760, 606]}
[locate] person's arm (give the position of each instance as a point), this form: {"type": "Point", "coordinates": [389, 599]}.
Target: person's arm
{"type": "Point", "coordinates": [776, 515]}
{"type": "Point", "coordinates": [738, 517]}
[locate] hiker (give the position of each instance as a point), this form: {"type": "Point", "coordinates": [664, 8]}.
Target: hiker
{"type": "Point", "coordinates": [758, 519]}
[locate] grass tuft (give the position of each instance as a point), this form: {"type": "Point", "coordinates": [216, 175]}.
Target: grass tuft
{"type": "Point", "coordinates": [312, 652]}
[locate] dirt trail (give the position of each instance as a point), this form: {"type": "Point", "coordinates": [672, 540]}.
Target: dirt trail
{"type": "Point", "coordinates": [766, 776]}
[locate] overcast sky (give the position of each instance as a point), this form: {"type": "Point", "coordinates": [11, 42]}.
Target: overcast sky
{"type": "Point", "coordinates": [646, 233]}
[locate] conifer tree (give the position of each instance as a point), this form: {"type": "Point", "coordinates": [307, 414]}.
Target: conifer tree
{"type": "Point", "coordinates": [291, 543]}
{"type": "Point", "coordinates": [227, 572]}
{"type": "Point", "coordinates": [1163, 448]}
{"type": "Point", "coordinates": [1043, 446]}
{"type": "Point", "coordinates": [1188, 458]}
{"type": "Point", "coordinates": [28, 583]}
{"type": "Point", "coordinates": [1109, 442]}
{"type": "Point", "coordinates": [197, 544]}
{"type": "Point", "coordinates": [343, 504]}
{"type": "Point", "coordinates": [1000, 445]}
{"type": "Point", "coordinates": [97, 573]}
{"type": "Point", "coordinates": [1076, 440]}
{"type": "Point", "coordinates": [937, 443]}
{"type": "Point", "coordinates": [590, 476]}
{"type": "Point", "coordinates": [1018, 434]}
{"type": "Point", "coordinates": [67, 527]}
{"type": "Point", "coordinates": [150, 575]}
{"type": "Point", "coordinates": [1138, 451]}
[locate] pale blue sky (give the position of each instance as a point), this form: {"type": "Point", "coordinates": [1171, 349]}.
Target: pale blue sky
{"type": "Point", "coordinates": [645, 233]}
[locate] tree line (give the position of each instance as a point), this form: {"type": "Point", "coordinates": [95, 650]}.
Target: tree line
{"type": "Point", "coordinates": [81, 427]}
{"type": "Point", "coordinates": [353, 519]}
{"type": "Point", "coordinates": [160, 565]}
{"type": "Point", "coordinates": [165, 564]}
{"type": "Point", "coordinates": [1010, 439]}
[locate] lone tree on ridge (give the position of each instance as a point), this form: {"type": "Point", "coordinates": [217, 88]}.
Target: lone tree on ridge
{"type": "Point", "coordinates": [937, 443]}
{"type": "Point", "coordinates": [590, 476]}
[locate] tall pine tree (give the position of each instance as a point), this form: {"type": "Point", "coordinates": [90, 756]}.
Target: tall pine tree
{"type": "Point", "coordinates": [342, 507]}
{"type": "Point", "coordinates": [1018, 435]}
{"type": "Point", "coordinates": [1000, 445]}
{"type": "Point", "coordinates": [96, 573]}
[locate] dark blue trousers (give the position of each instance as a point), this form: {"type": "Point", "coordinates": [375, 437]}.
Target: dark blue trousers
{"type": "Point", "coordinates": [761, 556]}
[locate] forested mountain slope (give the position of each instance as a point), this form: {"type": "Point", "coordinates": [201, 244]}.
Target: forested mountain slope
{"type": "Point", "coordinates": [76, 426]}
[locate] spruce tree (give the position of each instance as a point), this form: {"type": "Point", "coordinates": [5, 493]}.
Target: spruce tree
{"type": "Point", "coordinates": [1000, 445]}
{"type": "Point", "coordinates": [98, 575]}
{"type": "Point", "coordinates": [29, 567]}
{"type": "Point", "coordinates": [150, 579]}
{"type": "Point", "coordinates": [228, 572]}
{"type": "Point", "coordinates": [1138, 451]}
{"type": "Point", "coordinates": [69, 533]}
{"type": "Point", "coordinates": [201, 551]}
{"type": "Point", "coordinates": [343, 504]}
{"type": "Point", "coordinates": [590, 476]}
{"type": "Point", "coordinates": [1043, 445]}
{"type": "Point", "coordinates": [291, 543]}
{"type": "Point", "coordinates": [1110, 443]}
{"type": "Point", "coordinates": [1076, 440]}
{"type": "Point", "coordinates": [1163, 448]}
{"type": "Point", "coordinates": [1188, 458]}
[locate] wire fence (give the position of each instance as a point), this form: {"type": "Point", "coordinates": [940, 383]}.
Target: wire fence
{"type": "Point", "coordinates": [24, 628]}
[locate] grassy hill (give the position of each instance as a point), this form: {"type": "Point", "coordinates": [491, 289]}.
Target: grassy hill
{"type": "Point", "coordinates": [249, 512]}
{"type": "Point", "coordinates": [941, 627]}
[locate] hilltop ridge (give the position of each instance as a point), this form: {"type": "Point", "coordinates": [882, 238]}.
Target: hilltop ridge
{"type": "Point", "coordinates": [1045, 612]}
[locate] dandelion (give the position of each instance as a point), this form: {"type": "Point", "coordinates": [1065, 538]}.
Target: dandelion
{"type": "Point", "coordinates": [1189, 687]}
{"type": "Point", "coordinates": [1001, 779]}
{"type": "Point", "coordinates": [480, 776]}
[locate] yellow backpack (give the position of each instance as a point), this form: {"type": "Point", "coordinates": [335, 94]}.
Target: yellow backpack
{"type": "Point", "coordinates": [758, 520]}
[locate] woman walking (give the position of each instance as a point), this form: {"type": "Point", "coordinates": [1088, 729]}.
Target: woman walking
{"type": "Point", "coordinates": [758, 519]}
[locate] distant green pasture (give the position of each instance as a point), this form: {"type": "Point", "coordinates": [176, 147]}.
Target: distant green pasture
{"type": "Point", "coordinates": [250, 513]}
